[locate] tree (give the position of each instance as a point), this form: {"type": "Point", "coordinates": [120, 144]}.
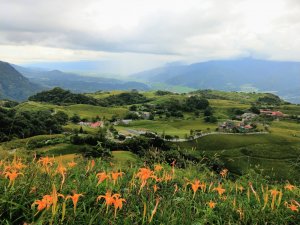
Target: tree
{"type": "Point", "coordinates": [208, 111]}
{"type": "Point", "coordinates": [61, 117]}
{"type": "Point", "coordinates": [255, 110]}
{"type": "Point", "coordinates": [81, 130]}
{"type": "Point", "coordinates": [195, 102]}
{"type": "Point", "coordinates": [75, 118]}
{"type": "Point", "coordinates": [133, 108]}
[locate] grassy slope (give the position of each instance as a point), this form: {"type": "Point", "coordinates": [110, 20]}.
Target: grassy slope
{"type": "Point", "coordinates": [174, 127]}
{"type": "Point", "coordinates": [273, 152]}
{"type": "Point", "coordinates": [85, 111]}
{"type": "Point", "coordinates": [240, 152]}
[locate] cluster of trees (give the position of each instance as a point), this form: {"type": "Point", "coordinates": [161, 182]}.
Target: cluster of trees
{"type": "Point", "coordinates": [29, 123]}
{"type": "Point", "coordinates": [175, 107]}
{"type": "Point", "coordinates": [270, 99]}
{"type": "Point", "coordinates": [60, 96]}
{"type": "Point", "coordinates": [126, 98]}
{"type": "Point", "coordinates": [161, 93]}
{"type": "Point", "coordinates": [8, 103]}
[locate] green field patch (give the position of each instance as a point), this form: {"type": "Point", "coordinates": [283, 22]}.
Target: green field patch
{"type": "Point", "coordinates": [83, 110]}
{"type": "Point", "coordinates": [170, 127]}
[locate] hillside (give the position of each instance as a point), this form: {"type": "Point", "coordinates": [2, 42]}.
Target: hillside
{"type": "Point", "coordinates": [75, 82]}
{"type": "Point", "coordinates": [181, 119]}
{"type": "Point", "coordinates": [282, 78]}
{"type": "Point", "coordinates": [14, 85]}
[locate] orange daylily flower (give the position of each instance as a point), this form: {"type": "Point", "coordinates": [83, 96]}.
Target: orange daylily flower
{"type": "Point", "coordinates": [223, 173]}
{"type": "Point", "coordinates": [219, 189]}
{"type": "Point", "coordinates": [12, 176]}
{"type": "Point", "coordinates": [118, 203]}
{"type": "Point", "coordinates": [109, 198]}
{"type": "Point", "coordinates": [195, 186]}
{"type": "Point", "coordinates": [74, 198]}
{"type": "Point", "coordinates": [158, 168]}
{"type": "Point", "coordinates": [145, 174]}
{"type": "Point", "coordinates": [293, 207]}
{"type": "Point", "coordinates": [155, 188]}
{"type": "Point", "coordinates": [211, 204]}
{"type": "Point", "coordinates": [18, 165]}
{"type": "Point", "coordinates": [46, 202]}
{"type": "Point", "coordinates": [274, 192]}
{"type": "Point", "coordinates": [101, 177]}
{"type": "Point", "coordinates": [116, 175]}
{"type": "Point", "coordinates": [289, 187]}
{"type": "Point", "coordinates": [72, 164]}
{"type": "Point", "coordinates": [45, 161]}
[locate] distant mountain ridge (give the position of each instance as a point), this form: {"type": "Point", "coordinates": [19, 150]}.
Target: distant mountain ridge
{"type": "Point", "coordinates": [77, 83]}
{"type": "Point", "coordinates": [282, 78]}
{"type": "Point", "coordinates": [13, 85]}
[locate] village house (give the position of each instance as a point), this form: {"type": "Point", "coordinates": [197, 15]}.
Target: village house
{"type": "Point", "coordinates": [122, 122]}
{"type": "Point", "coordinates": [269, 112]}
{"type": "Point", "coordinates": [97, 124]}
{"type": "Point", "coordinates": [90, 124]}
{"type": "Point", "coordinates": [87, 124]}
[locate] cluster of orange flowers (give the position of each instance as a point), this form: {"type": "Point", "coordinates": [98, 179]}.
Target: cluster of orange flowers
{"type": "Point", "coordinates": [112, 200]}
{"type": "Point", "coordinates": [145, 176]}
{"type": "Point", "coordinates": [13, 170]}
{"type": "Point", "coordinates": [101, 176]}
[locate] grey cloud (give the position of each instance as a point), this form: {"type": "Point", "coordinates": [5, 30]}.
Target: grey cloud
{"type": "Point", "coordinates": [215, 31]}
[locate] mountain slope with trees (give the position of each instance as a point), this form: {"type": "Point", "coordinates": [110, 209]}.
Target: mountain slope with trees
{"type": "Point", "coordinates": [14, 85]}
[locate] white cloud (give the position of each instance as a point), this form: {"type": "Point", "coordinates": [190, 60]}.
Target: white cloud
{"type": "Point", "coordinates": [148, 32]}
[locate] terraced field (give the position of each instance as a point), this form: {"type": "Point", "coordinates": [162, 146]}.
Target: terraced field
{"type": "Point", "coordinates": [274, 154]}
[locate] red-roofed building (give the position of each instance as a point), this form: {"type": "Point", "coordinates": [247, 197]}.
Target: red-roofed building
{"type": "Point", "coordinates": [97, 124]}
{"type": "Point", "coordinates": [271, 113]}
{"type": "Point", "coordinates": [278, 114]}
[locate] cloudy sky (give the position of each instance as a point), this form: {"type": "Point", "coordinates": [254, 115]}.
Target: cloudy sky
{"type": "Point", "coordinates": [126, 36]}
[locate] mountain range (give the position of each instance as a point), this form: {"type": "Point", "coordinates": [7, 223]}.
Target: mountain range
{"type": "Point", "coordinates": [281, 78]}
{"type": "Point", "coordinates": [76, 82]}
{"type": "Point", "coordinates": [13, 85]}
{"type": "Point", "coordinates": [251, 75]}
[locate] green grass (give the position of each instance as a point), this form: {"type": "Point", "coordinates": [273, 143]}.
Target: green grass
{"type": "Point", "coordinates": [21, 143]}
{"type": "Point", "coordinates": [84, 111]}
{"type": "Point", "coordinates": [124, 158]}
{"type": "Point", "coordinates": [171, 127]}
{"type": "Point", "coordinates": [71, 127]}
{"type": "Point", "coordinates": [273, 153]}
{"type": "Point", "coordinates": [60, 149]}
